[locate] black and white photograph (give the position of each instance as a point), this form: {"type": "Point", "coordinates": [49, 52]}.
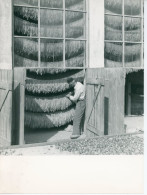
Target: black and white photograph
{"type": "Point", "coordinates": [71, 77]}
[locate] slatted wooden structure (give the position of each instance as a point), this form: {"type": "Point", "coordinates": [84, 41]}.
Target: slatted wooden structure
{"type": "Point", "coordinates": [105, 101]}
{"type": "Point", "coordinates": [5, 107]}
{"type": "Point", "coordinates": [95, 102]}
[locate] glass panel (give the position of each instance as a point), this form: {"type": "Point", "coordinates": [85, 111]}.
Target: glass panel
{"type": "Point", "coordinates": [51, 53]}
{"type": "Point", "coordinates": [113, 55]}
{"type": "Point", "coordinates": [113, 6]}
{"type": "Point", "coordinates": [132, 29]}
{"type": "Point", "coordinates": [51, 23]}
{"type": "Point", "coordinates": [113, 28]}
{"type": "Point", "coordinates": [75, 5]}
{"type": "Point", "coordinates": [25, 21]}
{"type": "Point", "coordinates": [132, 55]}
{"type": "Point", "coordinates": [25, 52]}
{"type": "Point", "coordinates": [75, 53]}
{"type": "Point", "coordinates": [75, 25]}
{"type": "Point", "coordinates": [132, 7]}
{"type": "Point", "coordinates": [26, 2]}
{"type": "Point", "coordinates": [51, 3]}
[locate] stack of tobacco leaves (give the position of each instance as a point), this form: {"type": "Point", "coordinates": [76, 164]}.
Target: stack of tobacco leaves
{"type": "Point", "coordinates": [46, 104]}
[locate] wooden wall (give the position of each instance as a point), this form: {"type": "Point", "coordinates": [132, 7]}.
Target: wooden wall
{"type": "Point", "coordinates": [5, 107]}
{"type": "Point", "coordinates": [114, 94]}
{"type": "Point", "coordinates": [108, 114]}
{"type": "Point", "coordinates": [5, 34]}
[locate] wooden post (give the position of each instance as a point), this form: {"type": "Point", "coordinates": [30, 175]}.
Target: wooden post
{"type": "Point", "coordinates": [18, 106]}
{"type": "Point", "coordinates": [106, 115]}
{"type": "Point", "coordinates": [21, 122]}
{"type": "Point", "coordinates": [129, 99]}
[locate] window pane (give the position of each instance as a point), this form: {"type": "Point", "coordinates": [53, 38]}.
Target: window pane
{"type": "Point", "coordinates": [51, 53]}
{"type": "Point", "coordinates": [75, 53]}
{"type": "Point", "coordinates": [75, 5]}
{"type": "Point", "coordinates": [25, 21]}
{"type": "Point", "coordinates": [51, 23]}
{"type": "Point", "coordinates": [25, 52]}
{"type": "Point", "coordinates": [132, 55]}
{"type": "Point", "coordinates": [75, 25]}
{"type": "Point", "coordinates": [132, 7]}
{"type": "Point", "coordinates": [52, 3]}
{"type": "Point", "coordinates": [132, 29]}
{"type": "Point", "coordinates": [113, 28]}
{"type": "Point", "coordinates": [113, 6]}
{"type": "Point", "coordinates": [26, 2]}
{"type": "Point", "coordinates": [113, 54]}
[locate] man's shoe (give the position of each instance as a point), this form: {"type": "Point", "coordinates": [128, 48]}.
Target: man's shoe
{"type": "Point", "coordinates": [74, 136]}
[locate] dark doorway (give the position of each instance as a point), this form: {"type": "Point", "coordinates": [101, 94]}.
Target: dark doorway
{"type": "Point", "coordinates": [134, 93]}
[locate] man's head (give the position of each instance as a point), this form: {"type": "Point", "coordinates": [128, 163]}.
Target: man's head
{"type": "Point", "coordinates": [71, 82]}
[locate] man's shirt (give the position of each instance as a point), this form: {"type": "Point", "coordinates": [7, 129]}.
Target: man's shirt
{"type": "Point", "coordinates": [79, 92]}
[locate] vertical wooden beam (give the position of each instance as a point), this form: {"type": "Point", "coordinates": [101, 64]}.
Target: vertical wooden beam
{"type": "Point", "coordinates": [96, 34]}
{"type": "Point", "coordinates": [39, 27]}
{"type": "Point", "coordinates": [129, 99]}
{"type": "Point", "coordinates": [12, 36]}
{"type": "Point", "coordinates": [123, 33]}
{"type": "Point", "coordinates": [106, 115]}
{"type": "Point", "coordinates": [18, 105]}
{"type": "Point", "coordinates": [5, 34]}
{"type": "Point", "coordinates": [87, 33]}
{"type": "Point", "coordinates": [142, 32]}
{"type": "Point", "coordinates": [64, 65]}
{"type": "Point", "coordinates": [21, 123]}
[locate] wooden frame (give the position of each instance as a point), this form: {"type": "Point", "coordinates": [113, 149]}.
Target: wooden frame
{"type": "Point", "coordinates": [55, 38]}
{"type": "Point", "coordinates": [141, 16]}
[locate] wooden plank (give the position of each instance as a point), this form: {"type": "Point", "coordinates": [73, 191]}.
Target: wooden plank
{"type": "Point", "coordinates": [5, 85]}
{"type": "Point", "coordinates": [95, 101]}
{"type": "Point", "coordinates": [91, 132]}
{"type": "Point", "coordinates": [120, 102]}
{"type": "Point", "coordinates": [114, 91]}
{"type": "Point", "coordinates": [129, 98]}
{"type": "Point", "coordinates": [95, 106]}
{"type": "Point", "coordinates": [92, 128]}
{"type": "Point", "coordinates": [21, 124]}
{"type": "Point", "coordinates": [18, 106]}
{"type": "Point", "coordinates": [5, 107]}
{"type": "Point", "coordinates": [106, 115]}
{"type": "Point", "coordinates": [95, 81]}
{"type": "Point", "coordinates": [3, 98]}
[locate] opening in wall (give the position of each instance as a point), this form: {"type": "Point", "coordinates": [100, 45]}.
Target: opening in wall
{"type": "Point", "coordinates": [134, 93]}
{"type": "Point", "coordinates": [48, 112]}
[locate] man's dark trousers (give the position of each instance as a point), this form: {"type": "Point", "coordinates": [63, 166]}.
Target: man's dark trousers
{"type": "Point", "coordinates": [78, 117]}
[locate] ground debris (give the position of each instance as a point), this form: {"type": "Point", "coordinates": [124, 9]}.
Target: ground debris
{"type": "Point", "coordinates": [117, 145]}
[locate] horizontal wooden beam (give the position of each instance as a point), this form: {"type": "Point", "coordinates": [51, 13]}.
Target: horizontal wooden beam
{"type": "Point", "coordinates": [95, 81]}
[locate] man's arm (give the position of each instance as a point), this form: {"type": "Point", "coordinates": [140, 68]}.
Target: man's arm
{"type": "Point", "coordinates": [76, 96]}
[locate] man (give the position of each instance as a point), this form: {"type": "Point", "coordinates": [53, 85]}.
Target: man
{"type": "Point", "coordinates": [79, 99]}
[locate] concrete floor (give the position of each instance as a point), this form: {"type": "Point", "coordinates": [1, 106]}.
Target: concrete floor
{"type": "Point", "coordinates": [47, 135]}
{"type": "Point", "coordinates": [134, 123]}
